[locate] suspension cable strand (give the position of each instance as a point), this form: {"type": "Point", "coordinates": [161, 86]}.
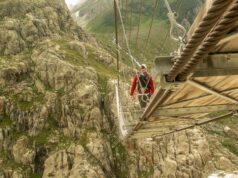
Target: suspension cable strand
{"type": "Point", "coordinates": [130, 28]}
{"type": "Point", "coordinates": [174, 24]}
{"type": "Point", "coordinates": [164, 41]}
{"type": "Point", "coordinates": [117, 43]}
{"type": "Point", "coordinates": [138, 28]}
{"type": "Point", "coordinates": [152, 20]}
{"type": "Point", "coordinates": [120, 113]}
{"type": "Point", "coordinates": [167, 34]}
{"type": "Point", "coordinates": [197, 124]}
{"type": "Point", "coordinates": [178, 6]}
{"type": "Point", "coordinates": [223, 27]}
{"type": "Point", "coordinates": [126, 16]}
{"type": "Point", "coordinates": [133, 60]}
{"type": "Point", "coordinates": [214, 13]}
{"type": "Point", "coordinates": [126, 13]}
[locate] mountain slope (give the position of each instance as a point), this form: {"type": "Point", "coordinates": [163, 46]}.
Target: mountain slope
{"type": "Point", "coordinates": [102, 25]}
{"type": "Point", "coordinates": [89, 10]}
{"type": "Point", "coordinates": [51, 80]}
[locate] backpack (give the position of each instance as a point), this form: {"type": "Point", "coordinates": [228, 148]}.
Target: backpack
{"type": "Point", "coordinates": [144, 81]}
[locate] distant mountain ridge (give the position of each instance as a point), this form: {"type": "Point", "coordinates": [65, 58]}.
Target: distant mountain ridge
{"type": "Point", "coordinates": [97, 17]}
{"type": "Point", "coordinates": [90, 9]}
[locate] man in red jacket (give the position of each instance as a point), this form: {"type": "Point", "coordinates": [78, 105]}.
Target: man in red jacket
{"type": "Point", "coordinates": [144, 84]}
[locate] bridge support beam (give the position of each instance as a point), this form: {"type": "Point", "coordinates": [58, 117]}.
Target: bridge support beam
{"type": "Point", "coordinates": [159, 133]}
{"type": "Point", "coordinates": [213, 92]}
{"type": "Point", "coordinates": [213, 65]}
{"type": "Point", "coordinates": [194, 110]}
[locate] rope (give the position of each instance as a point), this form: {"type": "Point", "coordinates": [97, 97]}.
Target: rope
{"type": "Point", "coordinates": [143, 89]}
{"type": "Point", "coordinates": [119, 108]}
{"type": "Point", "coordinates": [164, 41]}
{"type": "Point", "coordinates": [196, 124]}
{"type": "Point", "coordinates": [223, 27]}
{"type": "Point", "coordinates": [133, 60]}
{"type": "Point", "coordinates": [174, 24]}
{"type": "Point", "coordinates": [213, 14]}
{"type": "Point", "coordinates": [151, 24]}
{"type": "Point", "coordinates": [122, 4]}
{"type": "Point", "coordinates": [167, 34]}
{"type": "Point", "coordinates": [120, 113]}
{"type": "Point", "coordinates": [126, 11]}
{"type": "Point", "coordinates": [117, 43]}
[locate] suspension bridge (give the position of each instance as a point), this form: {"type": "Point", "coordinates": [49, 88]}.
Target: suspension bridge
{"type": "Point", "coordinates": [198, 84]}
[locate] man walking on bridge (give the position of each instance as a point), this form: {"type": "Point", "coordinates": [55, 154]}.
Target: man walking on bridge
{"type": "Point", "coordinates": [145, 86]}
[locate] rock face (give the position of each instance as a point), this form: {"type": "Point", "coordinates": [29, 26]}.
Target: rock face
{"type": "Point", "coordinates": [50, 105]}
{"type": "Point", "coordinates": [24, 23]}
{"type": "Point", "coordinates": [90, 160]}
{"type": "Point", "coordinates": [57, 105]}
{"type": "Point", "coordinates": [21, 153]}
{"type": "Point", "coordinates": [184, 154]}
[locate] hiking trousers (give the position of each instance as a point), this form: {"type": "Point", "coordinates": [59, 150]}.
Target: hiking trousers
{"type": "Point", "coordinates": [144, 99]}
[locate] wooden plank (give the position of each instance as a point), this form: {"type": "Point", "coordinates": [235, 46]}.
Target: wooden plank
{"type": "Point", "coordinates": [194, 110]}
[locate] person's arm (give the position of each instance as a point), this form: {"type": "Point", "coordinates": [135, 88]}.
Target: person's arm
{"type": "Point", "coordinates": [133, 85]}
{"type": "Point", "coordinates": [152, 87]}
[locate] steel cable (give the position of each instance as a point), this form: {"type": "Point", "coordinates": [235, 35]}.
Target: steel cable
{"type": "Point", "coordinates": [223, 27]}
{"type": "Point", "coordinates": [139, 20]}
{"type": "Point", "coordinates": [151, 24]}
{"type": "Point", "coordinates": [131, 16]}
{"type": "Point", "coordinates": [213, 14]}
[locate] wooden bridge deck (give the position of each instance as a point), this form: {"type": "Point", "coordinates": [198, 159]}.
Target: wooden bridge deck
{"type": "Point", "coordinates": [202, 96]}
{"type": "Point", "coordinates": [189, 99]}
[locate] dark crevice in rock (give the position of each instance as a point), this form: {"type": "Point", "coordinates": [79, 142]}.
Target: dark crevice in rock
{"type": "Point", "coordinates": [70, 160]}
{"type": "Point", "coordinates": [41, 155]}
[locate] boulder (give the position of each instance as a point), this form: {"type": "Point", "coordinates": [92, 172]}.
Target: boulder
{"type": "Point", "coordinates": [79, 47]}
{"type": "Point", "coordinates": [21, 153]}
{"type": "Point", "coordinates": [73, 162]}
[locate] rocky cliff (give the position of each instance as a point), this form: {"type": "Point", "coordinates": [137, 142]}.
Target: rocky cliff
{"type": "Point", "coordinates": [57, 115]}
{"type": "Point", "coordinates": [50, 94]}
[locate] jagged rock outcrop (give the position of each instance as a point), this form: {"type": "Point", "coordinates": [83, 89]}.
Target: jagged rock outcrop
{"type": "Point", "coordinates": [50, 103]}
{"type": "Point", "coordinates": [55, 95]}
{"type": "Point", "coordinates": [24, 23]}
{"type": "Point", "coordinates": [90, 160]}
{"type": "Point", "coordinates": [21, 152]}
